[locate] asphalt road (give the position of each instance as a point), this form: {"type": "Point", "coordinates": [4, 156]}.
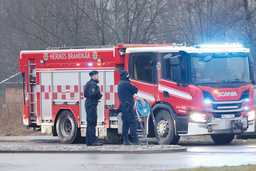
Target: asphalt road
{"type": "Point", "coordinates": [202, 155]}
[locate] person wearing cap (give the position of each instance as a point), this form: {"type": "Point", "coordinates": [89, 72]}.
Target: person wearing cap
{"type": "Point", "coordinates": [125, 94]}
{"type": "Point", "coordinates": [92, 95]}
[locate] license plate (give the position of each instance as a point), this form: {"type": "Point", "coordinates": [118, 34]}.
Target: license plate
{"type": "Point", "coordinates": [227, 116]}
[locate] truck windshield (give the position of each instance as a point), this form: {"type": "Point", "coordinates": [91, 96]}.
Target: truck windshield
{"type": "Point", "coordinates": [213, 69]}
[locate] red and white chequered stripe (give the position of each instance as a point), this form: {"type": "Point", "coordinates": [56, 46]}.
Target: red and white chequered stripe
{"type": "Point", "coordinates": [65, 92]}
{"type": "Point", "coordinates": [45, 92]}
{"type": "Point", "coordinates": [82, 92]}
{"type": "Point", "coordinates": [110, 94]}
{"type": "Point", "coordinates": [70, 92]}
{"type": "Point", "coordinates": [60, 92]}
{"type": "Point", "coordinates": [111, 91]}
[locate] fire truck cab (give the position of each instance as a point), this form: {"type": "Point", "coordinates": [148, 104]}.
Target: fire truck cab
{"type": "Point", "coordinates": [199, 90]}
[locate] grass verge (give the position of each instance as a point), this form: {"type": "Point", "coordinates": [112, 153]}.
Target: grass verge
{"type": "Point", "coordinates": [11, 123]}
{"type": "Point", "coordinates": [224, 168]}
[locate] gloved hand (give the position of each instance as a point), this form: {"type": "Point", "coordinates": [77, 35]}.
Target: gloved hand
{"type": "Point", "coordinates": [142, 101]}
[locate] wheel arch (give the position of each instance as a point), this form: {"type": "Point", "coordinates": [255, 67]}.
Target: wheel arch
{"type": "Point", "coordinates": [155, 109]}
{"type": "Point", "coordinates": [57, 117]}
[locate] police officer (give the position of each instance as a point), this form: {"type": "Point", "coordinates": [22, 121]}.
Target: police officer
{"type": "Point", "coordinates": [125, 93]}
{"type": "Point", "coordinates": [92, 95]}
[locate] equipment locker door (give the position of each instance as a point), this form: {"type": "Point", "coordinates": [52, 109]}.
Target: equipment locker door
{"type": "Point", "coordinates": [107, 88]}
{"type": "Point", "coordinates": [46, 96]}
{"type": "Point", "coordinates": [65, 88]}
{"type": "Point", "coordinates": [84, 77]}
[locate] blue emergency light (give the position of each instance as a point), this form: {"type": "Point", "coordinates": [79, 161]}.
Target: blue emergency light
{"type": "Point", "coordinates": [226, 45]}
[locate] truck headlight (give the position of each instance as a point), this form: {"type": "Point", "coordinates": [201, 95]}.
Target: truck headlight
{"type": "Point", "coordinates": [207, 101]}
{"type": "Point", "coordinates": [251, 115]}
{"type": "Point", "coordinates": [198, 117]}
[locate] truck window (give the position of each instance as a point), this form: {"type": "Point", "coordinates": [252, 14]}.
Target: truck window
{"type": "Point", "coordinates": [168, 68]}
{"type": "Point", "coordinates": [220, 70]}
{"type": "Point", "coordinates": [141, 67]}
{"type": "Point", "coordinates": [175, 67]}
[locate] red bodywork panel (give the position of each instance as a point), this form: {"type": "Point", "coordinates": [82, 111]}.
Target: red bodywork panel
{"type": "Point", "coordinates": [54, 59]}
{"type": "Point", "coordinates": [73, 108]}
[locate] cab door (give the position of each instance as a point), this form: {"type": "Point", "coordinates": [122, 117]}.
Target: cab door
{"type": "Point", "coordinates": [174, 87]}
{"type": "Point", "coordinates": [143, 74]}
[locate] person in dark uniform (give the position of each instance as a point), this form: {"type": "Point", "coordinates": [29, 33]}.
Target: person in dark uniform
{"type": "Point", "coordinates": [92, 95]}
{"type": "Point", "coordinates": [125, 93]}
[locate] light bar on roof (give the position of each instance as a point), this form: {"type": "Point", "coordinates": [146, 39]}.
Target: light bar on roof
{"type": "Point", "coordinates": [236, 45]}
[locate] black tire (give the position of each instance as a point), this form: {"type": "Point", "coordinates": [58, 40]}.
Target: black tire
{"type": "Point", "coordinates": [222, 138]}
{"type": "Point", "coordinates": [175, 139]}
{"type": "Point", "coordinates": [165, 128]}
{"type": "Point", "coordinates": [66, 126]}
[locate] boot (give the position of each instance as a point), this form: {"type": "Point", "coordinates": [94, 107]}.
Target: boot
{"type": "Point", "coordinates": [96, 143]}
{"type": "Point", "coordinates": [137, 141]}
{"type": "Point", "coordinates": [126, 141]}
{"type": "Point", "coordinates": [88, 144]}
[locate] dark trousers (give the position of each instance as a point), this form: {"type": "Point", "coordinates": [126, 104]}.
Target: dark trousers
{"type": "Point", "coordinates": [91, 118]}
{"type": "Point", "coordinates": [129, 121]}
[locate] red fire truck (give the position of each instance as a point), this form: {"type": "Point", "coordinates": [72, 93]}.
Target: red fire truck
{"type": "Point", "coordinates": [198, 90]}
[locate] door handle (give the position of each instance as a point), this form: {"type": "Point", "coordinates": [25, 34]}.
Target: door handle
{"type": "Point", "coordinates": [166, 94]}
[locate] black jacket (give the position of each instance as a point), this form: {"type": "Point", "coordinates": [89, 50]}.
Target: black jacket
{"type": "Point", "coordinates": [126, 90]}
{"type": "Point", "coordinates": [92, 93]}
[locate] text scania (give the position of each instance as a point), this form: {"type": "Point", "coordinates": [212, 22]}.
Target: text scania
{"type": "Point", "coordinates": [224, 94]}
{"type": "Point", "coordinates": [70, 56]}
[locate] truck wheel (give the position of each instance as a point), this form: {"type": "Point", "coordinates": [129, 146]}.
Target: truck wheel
{"type": "Point", "coordinates": [66, 127]}
{"type": "Point", "coordinates": [222, 138]}
{"type": "Point", "coordinates": [165, 128]}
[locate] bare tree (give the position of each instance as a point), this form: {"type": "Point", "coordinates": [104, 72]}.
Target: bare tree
{"type": "Point", "coordinates": [202, 21]}
{"type": "Point", "coordinates": [250, 16]}
{"type": "Point", "coordinates": [37, 24]}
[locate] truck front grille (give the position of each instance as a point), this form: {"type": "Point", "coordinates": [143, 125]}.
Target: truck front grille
{"type": "Point", "coordinates": [226, 107]}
